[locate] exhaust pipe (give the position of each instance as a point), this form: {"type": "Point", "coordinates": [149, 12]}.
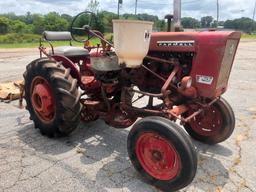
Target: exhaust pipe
{"type": "Point", "coordinates": [174, 21]}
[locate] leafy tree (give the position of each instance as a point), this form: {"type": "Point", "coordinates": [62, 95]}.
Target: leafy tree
{"type": "Point", "coordinates": [28, 18]}
{"type": "Point", "coordinates": [4, 25]}
{"type": "Point", "coordinates": [206, 22]}
{"type": "Point", "coordinates": [221, 23]}
{"type": "Point", "coordinates": [38, 22]}
{"type": "Point", "coordinates": [189, 22]}
{"type": "Point", "coordinates": [93, 6]}
{"type": "Point", "coordinates": [160, 25]}
{"type": "Point", "coordinates": [105, 20]}
{"type": "Point", "coordinates": [214, 24]}
{"type": "Point", "coordinates": [147, 17]}
{"type": "Point", "coordinates": [67, 17]}
{"type": "Point", "coordinates": [19, 27]}
{"type": "Point", "coordinates": [11, 16]}
{"type": "Point", "coordinates": [129, 16]}
{"type": "Point", "coordinates": [229, 24]}
{"type": "Point", "coordinates": [244, 24]}
{"type": "Point", "coordinates": [54, 22]}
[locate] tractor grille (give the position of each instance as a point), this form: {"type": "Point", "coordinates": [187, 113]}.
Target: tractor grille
{"type": "Point", "coordinates": [227, 62]}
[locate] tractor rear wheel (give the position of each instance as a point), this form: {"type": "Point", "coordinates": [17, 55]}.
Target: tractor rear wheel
{"type": "Point", "coordinates": [214, 125]}
{"type": "Point", "coordinates": [162, 153]}
{"type": "Point", "coordinates": [52, 97]}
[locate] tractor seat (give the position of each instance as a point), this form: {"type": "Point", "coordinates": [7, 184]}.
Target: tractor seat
{"type": "Point", "coordinates": [70, 51]}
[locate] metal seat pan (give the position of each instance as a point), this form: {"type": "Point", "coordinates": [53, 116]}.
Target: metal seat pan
{"type": "Point", "coordinates": [70, 51]}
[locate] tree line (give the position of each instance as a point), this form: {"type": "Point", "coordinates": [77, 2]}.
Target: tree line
{"type": "Point", "coordinates": [37, 23]}
{"type": "Point", "coordinates": [244, 24]}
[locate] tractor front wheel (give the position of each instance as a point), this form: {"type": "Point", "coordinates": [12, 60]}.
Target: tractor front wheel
{"type": "Point", "coordinates": [52, 97]}
{"type": "Point", "coordinates": [162, 153]}
{"type": "Point", "coordinates": [214, 125]}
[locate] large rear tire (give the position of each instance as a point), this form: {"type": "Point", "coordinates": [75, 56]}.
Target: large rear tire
{"type": "Point", "coordinates": [213, 126]}
{"type": "Point", "coordinates": [162, 153]}
{"type": "Point", "coordinates": [52, 97]}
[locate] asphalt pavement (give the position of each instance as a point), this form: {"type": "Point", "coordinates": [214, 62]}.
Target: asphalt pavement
{"type": "Point", "coordinates": [94, 157]}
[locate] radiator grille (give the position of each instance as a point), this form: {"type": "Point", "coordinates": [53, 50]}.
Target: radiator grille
{"type": "Point", "coordinates": [227, 62]}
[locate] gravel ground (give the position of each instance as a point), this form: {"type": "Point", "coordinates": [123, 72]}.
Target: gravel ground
{"type": "Point", "coordinates": [13, 62]}
{"type": "Point", "coordinates": [94, 157]}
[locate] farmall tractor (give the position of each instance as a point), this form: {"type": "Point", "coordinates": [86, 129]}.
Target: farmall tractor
{"type": "Point", "coordinates": [181, 74]}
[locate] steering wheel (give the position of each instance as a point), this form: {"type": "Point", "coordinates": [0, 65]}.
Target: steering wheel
{"type": "Point", "coordinates": [85, 20]}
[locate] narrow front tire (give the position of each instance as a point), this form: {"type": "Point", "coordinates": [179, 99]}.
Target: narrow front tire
{"type": "Point", "coordinates": [162, 153]}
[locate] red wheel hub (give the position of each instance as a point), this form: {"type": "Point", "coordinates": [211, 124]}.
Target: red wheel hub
{"type": "Point", "coordinates": [157, 156]}
{"type": "Point", "coordinates": [42, 99]}
{"type": "Point", "coordinates": [208, 123]}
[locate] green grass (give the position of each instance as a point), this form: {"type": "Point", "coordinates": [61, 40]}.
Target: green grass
{"type": "Point", "coordinates": [18, 38]}
{"type": "Point", "coordinates": [14, 40]}
{"type": "Point", "coordinates": [18, 45]}
{"type": "Point", "coordinates": [32, 41]}
{"type": "Point", "coordinates": [36, 44]}
{"type": "Point", "coordinates": [247, 36]}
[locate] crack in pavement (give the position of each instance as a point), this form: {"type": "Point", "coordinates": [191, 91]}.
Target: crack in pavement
{"type": "Point", "coordinates": [240, 138]}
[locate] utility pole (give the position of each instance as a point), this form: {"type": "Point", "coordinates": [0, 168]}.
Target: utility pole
{"type": "Point", "coordinates": [136, 5]}
{"type": "Point", "coordinates": [254, 11]}
{"type": "Point", "coordinates": [218, 12]}
{"type": "Point", "coordinates": [177, 14]}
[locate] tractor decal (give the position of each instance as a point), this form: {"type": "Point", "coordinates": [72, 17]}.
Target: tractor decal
{"type": "Point", "coordinates": [175, 43]}
{"type": "Point", "coordinates": [204, 79]}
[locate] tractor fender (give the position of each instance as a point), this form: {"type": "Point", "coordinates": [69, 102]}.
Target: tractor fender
{"type": "Point", "coordinates": [67, 63]}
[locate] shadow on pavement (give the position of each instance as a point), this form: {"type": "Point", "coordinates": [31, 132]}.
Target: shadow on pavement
{"type": "Point", "coordinates": [103, 156]}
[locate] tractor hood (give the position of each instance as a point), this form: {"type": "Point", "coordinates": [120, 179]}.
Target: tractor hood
{"type": "Point", "coordinates": [214, 54]}
{"type": "Point", "coordinates": [188, 41]}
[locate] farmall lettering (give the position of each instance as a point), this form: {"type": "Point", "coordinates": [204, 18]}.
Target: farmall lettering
{"type": "Point", "coordinates": [175, 43]}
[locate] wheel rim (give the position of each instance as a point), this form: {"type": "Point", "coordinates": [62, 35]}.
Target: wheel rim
{"type": "Point", "coordinates": [42, 99]}
{"type": "Point", "coordinates": [208, 123]}
{"type": "Point", "coordinates": [157, 156]}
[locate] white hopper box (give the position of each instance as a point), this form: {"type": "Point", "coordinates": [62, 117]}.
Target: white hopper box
{"type": "Point", "coordinates": [131, 41]}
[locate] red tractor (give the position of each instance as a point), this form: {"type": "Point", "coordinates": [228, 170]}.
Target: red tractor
{"type": "Point", "coordinates": [186, 73]}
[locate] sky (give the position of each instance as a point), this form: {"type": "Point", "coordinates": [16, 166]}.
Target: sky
{"type": "Point", "coordinates": [229, 9]}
